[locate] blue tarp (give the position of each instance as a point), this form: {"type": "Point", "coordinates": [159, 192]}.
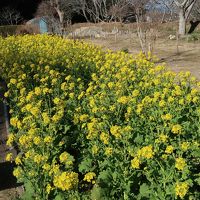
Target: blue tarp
{"type": "Point", "coordinates": [41, 23]}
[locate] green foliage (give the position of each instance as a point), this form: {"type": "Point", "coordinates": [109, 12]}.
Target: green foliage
{"type": "Point", "coordinates": [193, 37]}
{"type": "Point", "coordinates": [29, 191]}
{"type": "Point", "coordinates": [99, 125]}
{"type": "Point", "coordinates": [125, 50]}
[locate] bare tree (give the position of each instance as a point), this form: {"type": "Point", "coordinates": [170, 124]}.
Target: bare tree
{"type": "Point", "coordinates": [45, 9]}
{"type": "Point", "coordinates": [10, 16]}
{"type": "Point", "coordinates": [120, 10]}
{"type": "Point", "coordinates": [84, 6]}
{"type": "Point", "coordinates": [195, 17]}
{"type": "Point", "coordinates": [166, 9]}
{"type": "Point", "coordinates": [64, 9]}
{"type": "Point", "coordinates": [184, 9]}
{"type": "Point", "coordinates": [48, 13]}
{"type": "Point", "coordinates": [104, 10]}
{"type": "Point", "coordinates": [95, 10]}
{"type": "Point", "coordinates": [147, 35]}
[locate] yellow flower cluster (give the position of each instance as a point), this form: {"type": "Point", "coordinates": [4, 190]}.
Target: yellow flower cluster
{"type": "Point", "coordinates": [9, 157]}
{"type": "Point", "coordinates": [17, 172]}
{"type": "Point", "coordinates": [89, 177]}
{"type": "Point", "coordinates": [116, 131]}
{"type": "Point", "coordinates": [75, 109]}
{"type": "Point", "coordinates": [135, 163]}
{"type": "Point", "coordinates": [146, 152]}
{"type": "Point", "coordinates": [10, 140]}
{"type": "Point", "coordinates": [66, 158]}
{"type": "Point", "coordinates": [66, 180]}
{"type": "Point", "coordinates": [180, 163]}
{"type": "Point", "coordinates": [169, 149]}
{"type": "Point", "coordinates": [181, 189]}
{"type": "Point", "coordinates": [176, 129]}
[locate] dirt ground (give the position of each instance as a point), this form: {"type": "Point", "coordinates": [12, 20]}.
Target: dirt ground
{"type": "Point", "coordinates": [9, 188]}
{"type": "Point", "coordinates": [186, 58]}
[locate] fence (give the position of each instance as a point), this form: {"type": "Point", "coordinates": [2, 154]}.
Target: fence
{"type": "Point", "coordinates": [18, 29]}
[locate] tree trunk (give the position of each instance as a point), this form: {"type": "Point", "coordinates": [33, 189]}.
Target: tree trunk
{"type": "Point", "coordinates": [182, 22]}
{"type": "Point", "coordinates": [61, 17]}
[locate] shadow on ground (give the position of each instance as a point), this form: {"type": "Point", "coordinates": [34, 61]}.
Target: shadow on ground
{"type": "Point", "coordinates": [7, 179]}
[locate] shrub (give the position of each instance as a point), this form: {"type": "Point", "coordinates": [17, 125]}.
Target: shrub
{"type": "Point", "coordinates": [193, 37]}
{"type": "Point", "coordinates": [27, 29]}
{"type": "Point", "coordinates": [8, 30]}
{"type": "Point", "coordinates": [93, 124]}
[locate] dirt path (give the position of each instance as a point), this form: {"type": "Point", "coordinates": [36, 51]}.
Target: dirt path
{"type": "Point", "coordinates": [9, 189]}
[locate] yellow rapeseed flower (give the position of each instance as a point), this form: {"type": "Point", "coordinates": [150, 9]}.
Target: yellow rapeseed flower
{"type": "Point", "coordinates": [56, 100]}
{"type": "Point", "coordinates": [38, 158]}
{"type": "Point", "coordinates": [9, 157]}
{"type": "Point", "coordinates": [185, 146]}
{"type": "Point", "coordinates": [83, 117]}
{"type": "Point", "coordinates": [146, 152]}
{"type": "Point", "coordinates": [37, 140]}
{"type": "Point", "coordinates": [17, 172]}
{"type": "Point", "coordinates": [167, 117]}
{"type": "Point", "coordinates": [46, 167]}
{"type": "Point", "coordinates": [180, 163]}
{"type": "Point", "coordinates": [49, 188]}
{"type": "Point", "coordinates": [163, 137]}
{"type": "Point", "coordinates": [10, 140]}
{"type": "Point", "coordinates": [38, 91]}
{"type": "Point", "coordinates": [116, 131]}
{"type": "Point", "coordinates": [13, 81]}
{"type": "Point", "coordinates": [66, 181]}
{"type": "Point", "coordinates": [104, 138]}
{"type": "Point", "coordinates": [135, 163]}
{"type": "Point", "coordinates": [64, 157]}
{"type": "Point", "coordinates": [123, 100]}
{"type": "Point", "coordinates": [48, 139]}
{"type": "Point", "coordinates": [35, 111]}
{"type": "Point", "coordinates": [95, 149]}
{"type": "Point", "coordinates": [18, 160]}
{"type": "Point", "coordinates": [108, 151]}
{"type": "Point", "coordinates": [14, 121]}
{"type": "Point", "coordinates": [89, 177]}
{"type": "Point", "coordinates": [169, 149]}
{"type": "Point", "coordinates": [181, 189]}
{"type": "Point", "coordinates": [176, 129]}
{"type": "Point", "coordinates": [46, 117]}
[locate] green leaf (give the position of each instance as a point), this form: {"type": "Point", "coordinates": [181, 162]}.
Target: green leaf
{"type": "Point", "coordinates": [139, 139]}
{"type": "Point", "coordinates": [59, 197]}
{"type": "Point", "coordinates": [115, 176]}
{"type": "Point", "coordinates": [105, 176]}
{"type": "Point", "coordinates": [128, 187]}
{"type": "Point", "coordinates": [169, 189]}
{"type": "Point", "coordinates": [145, 190]}
{"type": "Point", "coordinates": [96, 193]}
{"type": "Point", "coordinates": [66, 128]}
{"type": "Point", "coordinates": [195, 153]}
{"type": "Point", "coordinates": [197, 180]}
{"type": "Point", "coordinates": [29, 191]}
{"type": "Point", "coordinates": [85, 165]}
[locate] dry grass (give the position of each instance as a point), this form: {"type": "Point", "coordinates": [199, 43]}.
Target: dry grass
{"type": "Point", "coordinates": [186, 59]}
{"type": "Point", "coordinates": [171, 26]}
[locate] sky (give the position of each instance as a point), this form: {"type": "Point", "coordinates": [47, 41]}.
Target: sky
{"type": "Point", "coordinates": [25, 7]}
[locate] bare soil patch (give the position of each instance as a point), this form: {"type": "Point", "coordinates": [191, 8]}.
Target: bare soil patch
{"type": "Point", "coordinates": [9, 188]}
{"type": "Point", "coordinates": [186, 59]}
